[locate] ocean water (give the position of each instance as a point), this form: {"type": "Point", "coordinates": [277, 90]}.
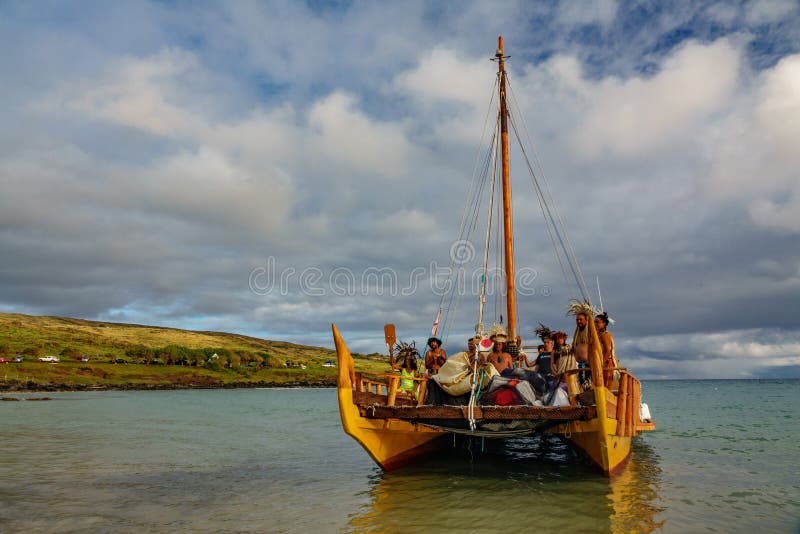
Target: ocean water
{"type": "Point", "coordinates": [724, 459]}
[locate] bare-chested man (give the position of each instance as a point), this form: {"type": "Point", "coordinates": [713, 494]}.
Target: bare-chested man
{"type": "Point", "coordinates": [501, 359]}
{"type": "Point", "coordinates": [607, 344]}
{"type": "Point", "coordinates": [581, 332]}
{"type": "Point", "coordinates": [435, 357]}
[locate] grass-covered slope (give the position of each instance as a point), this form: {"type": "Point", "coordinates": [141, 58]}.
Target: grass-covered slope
{"type": "Point", "coordinates": [240, 361]}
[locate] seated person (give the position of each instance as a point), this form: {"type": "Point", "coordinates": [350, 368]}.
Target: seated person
{"type": "Point", "coordinates": [435, 357]}
{"type": "Point", "coordinates": [499, 358]}
{"type": "Point", "coordinates": [408, 370]}
{"type": "Point", "coordinates": [526, 362]}
{"type": "Point", "coordinates": [472, 347]}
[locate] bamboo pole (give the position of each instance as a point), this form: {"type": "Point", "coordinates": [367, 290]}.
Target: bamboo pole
{"type": "Point", "coordinates": [629, 408]}
{"type": "Point", "coordinates": [637, 396]}
{"type": "Point", "coordinates": [622, 404]}
{"type": "Point", "coordinates": [572, 387]}
{"type": "Point", "coordinates": [359, 382]}
{"type": "Point", "coordinates": [394, 381]}
{"type": "Point", "coordinates": [511, 304]}
{"type": "Point", "coordinates": [423, 386]}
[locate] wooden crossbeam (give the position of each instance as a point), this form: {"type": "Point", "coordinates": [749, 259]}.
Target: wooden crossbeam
{"type": "Point", "coordinates": [413, 413]}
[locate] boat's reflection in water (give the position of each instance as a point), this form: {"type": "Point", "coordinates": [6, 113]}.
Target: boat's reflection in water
{"type": "Point", "coordinates": [521, 484]}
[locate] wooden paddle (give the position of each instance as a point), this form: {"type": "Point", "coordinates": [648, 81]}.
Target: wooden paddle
{"type": "Point", "coordinates": [388, 332]}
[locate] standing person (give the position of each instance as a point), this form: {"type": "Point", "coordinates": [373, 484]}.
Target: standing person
{"type": "Point", "coordinates": [563, 357]}
{"type": "Point", "coordinates": [581, 334]}
{"type": "Point", "coordinates": [581, 351]}
{"type": "Point", "coordinates": [544, 363]}
{"type": "Point", "coordinates": [607, 344]}
{"type": "Point", "coordinates": [435, 357]}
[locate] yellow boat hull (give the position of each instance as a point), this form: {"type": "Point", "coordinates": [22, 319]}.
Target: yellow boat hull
{"type": "Point", "coordinates": [392, 443]}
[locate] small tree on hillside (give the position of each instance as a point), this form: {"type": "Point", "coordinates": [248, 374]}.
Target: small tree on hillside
{"type": "Point", "coordinates": [70, 353]}
{"type": "Point", "coordinates": [32, 351]}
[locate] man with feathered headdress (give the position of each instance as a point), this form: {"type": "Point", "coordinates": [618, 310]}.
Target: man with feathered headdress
{"type": "Point", "coordinates": [585, 333]}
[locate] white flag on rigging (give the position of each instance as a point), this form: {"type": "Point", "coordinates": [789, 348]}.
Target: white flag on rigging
{"type": "Point", "coordinates": [436, 323]}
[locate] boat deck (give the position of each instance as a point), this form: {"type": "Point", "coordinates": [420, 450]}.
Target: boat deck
{"type": "Point", "coordinates": [485, 413]}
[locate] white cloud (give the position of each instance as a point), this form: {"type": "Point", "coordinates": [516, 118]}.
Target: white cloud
{"type": "Point", "coordinates": [754, 158]}
{"type": "Point", "coordinates": [451, 94]}
{"type": "Point", "coordinates": [767, 11]}
{"type": "Point", "coordinates": [137, 92]}
{"type": "Point", "coordinates": [207, 187]}
{"type": "Point", "coordinates": [346, 137]}
{"type": "Point", "coordinates": [444, 76]}
{"type": "Point", "coordinates": [778, 109]}
{"type": "Point", "coordinates": [629, 118]}
{"type": "Point", "coordinates": [731, 354]}
{"type": "Point", "coordinates": [587, 12]}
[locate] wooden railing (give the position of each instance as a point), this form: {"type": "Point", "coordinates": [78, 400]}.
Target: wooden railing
{"type": "Point", "coordinates": [624, 405]}
{"type": "Point", "coordinates": [388, 385]}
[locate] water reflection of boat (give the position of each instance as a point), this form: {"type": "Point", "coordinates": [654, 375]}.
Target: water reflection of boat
{"type": "Point", "coordinates": [555, 494]}
{"type": "Point", "coordinates": [635, 493]}
{"type": "Point", "coordinates": [601, 421]}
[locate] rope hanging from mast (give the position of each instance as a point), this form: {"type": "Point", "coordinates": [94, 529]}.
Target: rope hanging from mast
{"type": "Point", "coordinates": [491, 165]}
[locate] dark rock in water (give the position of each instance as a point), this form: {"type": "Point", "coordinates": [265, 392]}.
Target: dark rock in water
{"type": "Point", "coordinates": [39, 398]}
{"type": "Point", "coordinates": [8, 399]}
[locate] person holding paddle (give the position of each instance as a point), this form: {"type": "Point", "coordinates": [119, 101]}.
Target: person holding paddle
{"type": "Point", "coordinates": [435, 357]}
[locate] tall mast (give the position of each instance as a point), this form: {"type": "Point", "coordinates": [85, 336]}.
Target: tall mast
{"type": "Point", "coordinates": [511, 300]}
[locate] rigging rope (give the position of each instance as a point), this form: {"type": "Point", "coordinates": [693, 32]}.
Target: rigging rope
{"type": "Point", "coordinates": [473, 192]}
{"type": "Point", "coordinates": [487, 246]}
{"type": "Point", "coordinates": [486, 169]}
{"type": "Point", "coordinates": [557, 221]}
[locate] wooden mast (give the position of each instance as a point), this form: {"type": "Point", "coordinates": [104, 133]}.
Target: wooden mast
{"type": "Point", "coordinates": [507, 223]}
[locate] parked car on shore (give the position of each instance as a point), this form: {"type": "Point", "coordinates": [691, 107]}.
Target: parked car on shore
{"type": "Point", "coordinates": [82, 358]}
{"type": "Point", "coordinates": [49, 359]}
{"type": "Point", "coordinates": [3, 360]}
{"type": "Point", "coordinates": [18, 359]}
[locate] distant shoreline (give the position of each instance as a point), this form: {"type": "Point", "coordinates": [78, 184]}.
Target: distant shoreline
{"type": "Point", "coordinates": [57, 388]}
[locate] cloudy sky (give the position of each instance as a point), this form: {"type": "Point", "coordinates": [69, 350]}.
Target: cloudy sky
{"type": "Point", "coordinates": [259, 167]}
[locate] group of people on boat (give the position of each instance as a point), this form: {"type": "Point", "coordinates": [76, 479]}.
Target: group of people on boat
{"type": "Point", "coordinates": [545, 370]}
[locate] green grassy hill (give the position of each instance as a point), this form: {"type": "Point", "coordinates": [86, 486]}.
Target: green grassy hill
{"type": "Point", "coordinates": [241, 361]}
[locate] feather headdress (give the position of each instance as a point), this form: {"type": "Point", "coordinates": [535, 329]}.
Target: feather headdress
{"type": "Point", "coordinates": [604, 316]}
{"type": "Point", "coordinates": [497, 330]}
{"type": "Point", "coordinates": [575, 307]}
{"type": "Point", "coordinates": [407, 349]}
{"type": "Point", "coordinates": [543, 332]}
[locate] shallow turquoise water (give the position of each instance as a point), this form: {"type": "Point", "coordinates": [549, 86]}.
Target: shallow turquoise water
{"type": "Point", "coordinates": [725, 459]}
